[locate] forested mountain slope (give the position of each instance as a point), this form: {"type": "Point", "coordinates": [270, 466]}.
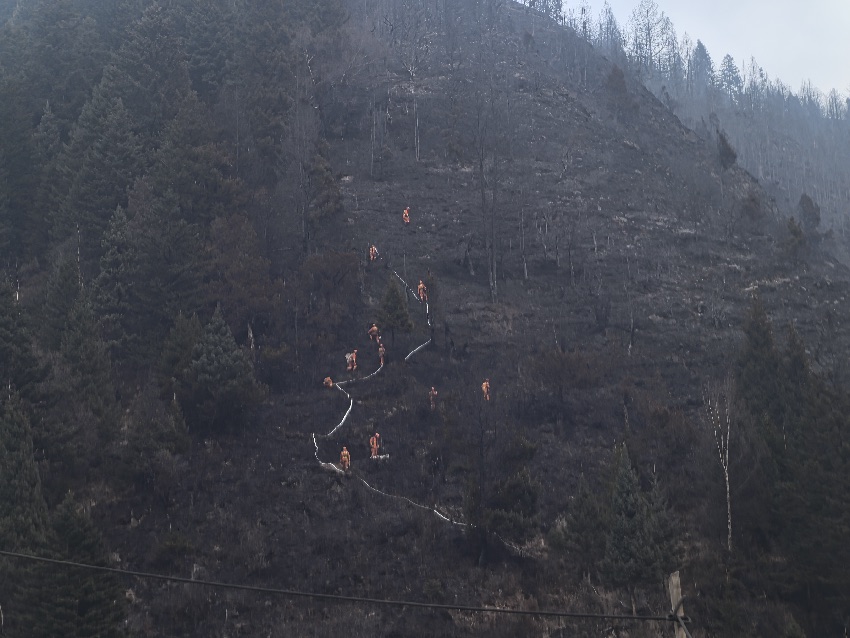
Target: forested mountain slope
{"type": "Point", "coordinates": [187, 197]}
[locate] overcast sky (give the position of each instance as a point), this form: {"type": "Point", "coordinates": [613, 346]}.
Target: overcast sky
{"type": "Point", "coordinates": [791, 40]}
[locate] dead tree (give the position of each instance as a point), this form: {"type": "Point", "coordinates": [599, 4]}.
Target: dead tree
{"type": "Point", "coordinates": [718, 413]}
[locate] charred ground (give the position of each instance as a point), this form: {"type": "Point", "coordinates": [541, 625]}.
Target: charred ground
{"type": "Point", "coordinates": [590, 255]}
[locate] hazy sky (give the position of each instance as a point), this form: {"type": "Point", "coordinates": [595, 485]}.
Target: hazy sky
{"type": "Point", "coordinates": [791, 40]}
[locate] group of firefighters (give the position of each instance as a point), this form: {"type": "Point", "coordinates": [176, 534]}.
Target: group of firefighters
{"type": "Point", "coordinates": [375, 336]}
{"type": "Point", "coordinates": [375, 440]}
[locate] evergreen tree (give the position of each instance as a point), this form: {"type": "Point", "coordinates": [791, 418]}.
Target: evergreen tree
{"type": "Point", "coordinates": [578, 534]}
{"type": "Point", "coordinates": [502, 496]}
{"type": "Point", "coordinates": [219, 385]}
{"type": "Point", "coordinates": [635, 549]}
{"type": "Point", "coordinates": [74, 603]}
{"type": "Point", "coordinates": [261, 67]}
{"type": "Point", "coordinates": [240, 274]}
{"type": "Point", "coordinates": [149, 73]}
{"type": "Point", "coordinates": [196, 167]}
{"type": "Point", "coordinates": [104, 157]}
{"type": "Point", "coordinates": [81, 417]}
{"type": "Point", "coordinates": [730, 79]}
{"type": "Point", "coordinates": [17, 169]}
{"type": "Point", "coordinates": [176, 356]}
{"type": "Point", "coordinates": [757, 373]}
{"type": "Point", "coordinates": [6, 222]}
{"type": "Point", "coordinates": [325, 199]}
{"type": "Point", "coordinates": [114, 288]}
{"type": "Point", "coordinates": [63, 291]}
{"type": "Point", "coordinates": [169, 256]}
{"type": "Point", "coordinates": [23, 513]}
{"type": "Point", "coordinates": [48, 148]}
{"type": "Point", "coordinates": [394, 313]}
{"type": "Point", "coordinates": [19, 368]}
{"type": "Point", "coordinates": [156, 432]}
{"type": "Point", "coordinates": [86, 355]}
{"type": "Point", "coordinates": [149, 273]}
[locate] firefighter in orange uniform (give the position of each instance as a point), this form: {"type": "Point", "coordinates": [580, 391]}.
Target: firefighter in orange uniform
{"type": "Point", "coordinates": [351, 360]}
{"type": "Point", "coordinates": [328, 382]}
{"type": "Point", "coordinates": [375, 444]}
{"type": "Point", "coordinates": [406, 215]}
{"type": "Point", "coordinates": [381, 352]}
{"type": "Point", "coordinates": [373, 332]}
{"type": "Point", "coordinates": [422, 290]}
{"type": "Point", "coordinates": [432, 396]}
{"type": "Point", "coordinates": [344, 459]}
{"type": "Point", "coordinates": [373, 253]}
{"type": "Point", "coordinates": [485, 389]}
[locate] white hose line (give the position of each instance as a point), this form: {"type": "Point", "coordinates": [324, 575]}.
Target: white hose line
{"type": "Point", "coordinates": [339, 425]}
{"type": "Point", "coordinates": [351, 405]}
{"type": "Point", "coordinates": [415, 504]}
{"type": "Point", "coordinates": [409, 289]}
{"type": "Point", "coordinates": [321, 462]}
{"type": "Point", "coordinates": [417, 349]}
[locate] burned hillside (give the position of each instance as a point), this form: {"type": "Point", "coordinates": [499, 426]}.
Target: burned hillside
{"type": "Point", "coordinates": [188, 229]}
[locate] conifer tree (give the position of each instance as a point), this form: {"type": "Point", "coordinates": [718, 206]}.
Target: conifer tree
{"type": "Point", "coordinates": [103, 158]}
{"type": "Point", "coordinates": [149, 273]}
{"type": "Point", "coordinates": [219, 385]}
{"type": "Point", "coordinates": [191, 163]}
{"type": "Point", "coordinates": [757, 374]}
{"type": "Point", "coordinates": [149, 73]}
{"type": "Point", "coordinates": [81, 417]}
{"type": "Point", "coordinates": [636, 552]}
{"type": "Point", "coordinates": [23, 513]}
{"type": "Point", "coordinates": [86, 355]}
{"type": "Point", "coordinates": [63, 291]}
{"type": "Point", "coordinates": [114, 287]}
{"type": "Point", "coordinates": [578, 534]}
{"type": "Point", "coordinates": [325, 198]}
{"type": "Point", "coordinates": [394, 313]}
{"type": "Point", "coordinates": [5, 212]}
{"type": "Point", "coordinates": [74, 603]}
{"type": "Point", "coordinates": [239, 274]}
{"type": "Point", "coordinates": [19, 368]}
{"type": "Point", "coordinates": [176, 355]}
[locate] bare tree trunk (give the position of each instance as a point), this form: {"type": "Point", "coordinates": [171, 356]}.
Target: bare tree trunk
{"type": "Point", "coordinates": [522, 242]}
{"type": "Point", "coordinates": [719, 413]}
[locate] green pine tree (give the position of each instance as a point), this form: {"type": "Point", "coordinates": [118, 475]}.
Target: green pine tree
{"type": "Point", "coordinates": [19, 367]}
{"type": "Point", "coordinates": [636, 553]}
{"type": "Point", "coordinates": [578, 534]}
{"type": "Point", "coordinates": [757, 374]}
{"type": "Point", "coordinates": [219, 385]}
{"type": "Point", "coordinates": [176, 355]}
{"type": "Point", "coordinates": [103, 159]}
{"type": "Point", "coordinates": [23, 514]}
{"type": "Point", "coordinates": [394, 313]}
{"type": "Point", "coordinates": [63, 291]}
{"type": "Point", "coordinates": [74, 602]}
{"type": "Point", "coordinates": [114, 292]}
{"type": "Point", "coordinates": [80, 419]}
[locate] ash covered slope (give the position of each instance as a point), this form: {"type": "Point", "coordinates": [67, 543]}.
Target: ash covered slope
{"type": "Point", "coordinates": [582, 250]}
{"type": "Point", "coordinates": [557, 204]}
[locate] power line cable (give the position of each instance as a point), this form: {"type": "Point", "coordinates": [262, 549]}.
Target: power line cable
{"type": "Point", "coordinates": [339, 598]}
